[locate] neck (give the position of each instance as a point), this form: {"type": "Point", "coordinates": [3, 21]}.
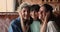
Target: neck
{"type": "Point", "coordinates": [35, 19]}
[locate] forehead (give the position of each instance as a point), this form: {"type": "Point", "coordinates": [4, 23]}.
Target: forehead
{"type": "Point", "coordinates": [25, 9]}
{"type": "Point", "coordinates": [42, 8]}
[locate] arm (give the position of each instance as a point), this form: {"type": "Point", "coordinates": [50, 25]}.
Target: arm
{"type": "Point", "coordinates": [13, 27]}
{"type": "Point", "coordinates": [43, 27]}
{"type": "Point", "coordinates": [44, 24]}
{"type": "Point", "coordinates": [23, 26]}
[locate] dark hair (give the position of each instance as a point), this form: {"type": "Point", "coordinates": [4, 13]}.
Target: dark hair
{"type": "Point", "coordinates": [35, 7]}
{"type": "Point", "coordinates": [48, 7]}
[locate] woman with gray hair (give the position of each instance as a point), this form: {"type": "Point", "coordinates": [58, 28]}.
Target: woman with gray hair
{"type": "Point", "coordinates": [21, 24]}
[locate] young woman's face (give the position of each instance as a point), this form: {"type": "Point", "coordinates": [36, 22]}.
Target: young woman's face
{"type": "Point", "coordinates": [34, 14]}
{"type": "Point", "coordinates": [42, 13]}
{"type": "Point", "coordinates": [25, 13]}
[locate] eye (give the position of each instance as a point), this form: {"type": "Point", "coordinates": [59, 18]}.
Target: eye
{"type": "Point", "coordinates": [23, 10]}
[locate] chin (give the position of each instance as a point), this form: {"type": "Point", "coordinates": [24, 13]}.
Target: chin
{"type": "Point", "coordinates": [25, 18]}
{"type": "Point", "coordinates": [39, 17]}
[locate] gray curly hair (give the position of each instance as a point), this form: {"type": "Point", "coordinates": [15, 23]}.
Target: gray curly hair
{"type": "Point", "coordinates": [23, 5]}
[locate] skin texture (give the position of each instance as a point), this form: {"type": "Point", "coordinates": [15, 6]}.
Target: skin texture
{"type": "Point", "coordinates": [34, 15]}
{"type": "Point", "coordinates": [24, 15]}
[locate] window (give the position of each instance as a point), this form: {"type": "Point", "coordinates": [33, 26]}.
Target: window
{"type": "Point", "coordinates": [8, 5]}
{"type": "Point", "coordinates": [2, 5]}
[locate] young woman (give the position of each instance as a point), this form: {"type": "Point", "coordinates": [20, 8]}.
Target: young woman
{"type": "Point", "coordinates": [48, 20]}
{"type": "Point", "coordinates": [35, 25]}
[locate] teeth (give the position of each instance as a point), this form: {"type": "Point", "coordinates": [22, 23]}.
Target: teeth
{"type": "Point", "coordinates": [39, 16]}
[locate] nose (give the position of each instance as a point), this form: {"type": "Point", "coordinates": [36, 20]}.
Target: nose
{"type": "Point", "coordinates": [33, 12]}
{"type": "Point", "coordinates": [26, 13]}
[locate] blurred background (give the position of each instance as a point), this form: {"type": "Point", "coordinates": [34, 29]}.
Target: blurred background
{"type": "Point", "coordinates": [8, 10]}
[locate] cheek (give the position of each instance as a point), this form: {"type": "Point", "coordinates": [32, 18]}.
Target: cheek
{"type": "Point", "coordinates": [36, 14]}
{"type": "Point", "coordinates": [44, 14]}
{"type": "Point", "coordinates": [31, 14]}
{"type": "Point", "coordinates": [23, 14]}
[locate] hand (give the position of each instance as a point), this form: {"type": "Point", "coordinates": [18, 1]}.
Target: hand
{"type": "Point", "coordinates": [44, 24]}
{"type": "Point", "coordinates": [47, 17]}
{"type": "Point", "coordinates": [22, 21]}
{"type": "Point", "coordinates": [20, 14]}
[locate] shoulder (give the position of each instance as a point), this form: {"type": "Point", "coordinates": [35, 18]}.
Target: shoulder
{"type": "Point", "coordinates": [15, 25]}
{"type": "Point", "coordinates": [50, 23]}
{"type": "Point", "coordinates": [51, 26]}
{"type": "Point", "coordinates": [15, 21]}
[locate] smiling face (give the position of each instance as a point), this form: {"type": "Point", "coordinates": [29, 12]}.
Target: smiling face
{"type": "Point", "coordinates": [34, 11]}
{"type": "Point", "coordinates": [42, 12]}
{"type": "Point", "coordinates": [34, 14]}
{"type": "Point", "coordinates": [25, 13]}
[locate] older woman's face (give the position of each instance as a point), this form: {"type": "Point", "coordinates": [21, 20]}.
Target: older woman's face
{"type": "Point", "coordinates": [25, 13]}
{"type": "Point", "coordinates": [42, 13]}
